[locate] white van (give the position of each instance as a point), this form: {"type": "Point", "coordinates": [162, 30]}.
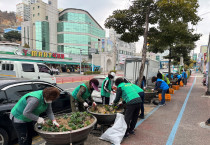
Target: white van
{"type": "Point", "coordinates": [29, 70]}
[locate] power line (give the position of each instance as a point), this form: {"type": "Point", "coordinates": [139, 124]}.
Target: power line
{"type": "Point", "coordinates": [83, 50]}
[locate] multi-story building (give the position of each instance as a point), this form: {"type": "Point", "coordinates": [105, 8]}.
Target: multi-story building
{"type": "Point", "coordinates": [41, 31]}
{"type": "Point", "coordinates": [78, 30]}
{"type": "Point", "coordinates": [23, 10]}
{"type": "Point", "coordinates": [123, 49]}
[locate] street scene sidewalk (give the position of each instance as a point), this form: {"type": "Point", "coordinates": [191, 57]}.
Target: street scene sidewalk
{"type": "Point", "coordinates": [179, 121]}
{"type": "Point", "coordinates": [176, 123]}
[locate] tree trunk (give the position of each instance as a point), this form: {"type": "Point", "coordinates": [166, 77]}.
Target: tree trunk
{"type": "Point", "coordinates": [144, 50]}
{"type": "Point", "coordinates": [169, 65]}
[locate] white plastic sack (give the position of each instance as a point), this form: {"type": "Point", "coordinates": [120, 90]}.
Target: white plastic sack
{"type": "Point", "coordinates": [116, 133]}
{"type": "Point", "coordinates": [112, 97]}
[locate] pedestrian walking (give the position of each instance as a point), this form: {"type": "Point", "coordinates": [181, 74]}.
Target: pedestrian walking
{"type": "Point", "coordinates": [28, 109]}
{"type": "Point", "coordinates": [131, 98]}
{"type": "Point", "coordinates": [83, 93]}
{"type": "Point", "coordinates": [160, 84]}
{"type": "Point", "coordinates": [106, 88]}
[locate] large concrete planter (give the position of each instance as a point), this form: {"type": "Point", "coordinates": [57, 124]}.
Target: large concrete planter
{"type": "Point", "coordinates": [76, 137]}
{"type": "Point", "coordinates": [105, 119]}
{"type": "Point", "coordinates": [148, 96]}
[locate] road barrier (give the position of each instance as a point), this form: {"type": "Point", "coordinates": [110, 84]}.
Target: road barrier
{"type": "Point", "coordinates": [62, 80]}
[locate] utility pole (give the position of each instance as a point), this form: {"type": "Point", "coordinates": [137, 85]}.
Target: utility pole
{"type": "Point", "coordinates": [80, 60]}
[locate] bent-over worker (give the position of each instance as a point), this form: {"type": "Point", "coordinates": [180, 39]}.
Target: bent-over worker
{"type": "Point", "coordinates": [82, 93]}
{"type": "Point", "coordinates": [28, 109]}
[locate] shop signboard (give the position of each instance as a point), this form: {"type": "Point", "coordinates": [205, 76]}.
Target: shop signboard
{"type": "Point", "coordinates": [35, 53]}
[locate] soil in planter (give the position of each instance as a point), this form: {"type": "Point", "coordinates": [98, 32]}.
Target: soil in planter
{"type": "Point", "coordinates": [69, 122]}
{"type": "Point", "coordinates": [106, 109]}
{"type": "Point", "coordinates": [149, 91]}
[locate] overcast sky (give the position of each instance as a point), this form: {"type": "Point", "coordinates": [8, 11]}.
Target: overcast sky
{"type": "Point", "coordinates": [101, 9]}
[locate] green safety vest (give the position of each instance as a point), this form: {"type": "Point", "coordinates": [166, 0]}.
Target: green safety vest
{"type": "Point", "coordinates": [103, 92]}
{"type": "Point", "coordinates": [84, 96]}
{"type": "Point", "coordinates": [128, 92]}
{"type": "Point", "coordinates": [17, 110]}
{"type": "Point", "coordinates": [167, 80]}
{"type": "Point", "coordinates": [137, 88]}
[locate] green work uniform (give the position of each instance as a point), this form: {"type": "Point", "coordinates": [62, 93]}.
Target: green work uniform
{"type": "Point", "coordinates": [103, 92]}
{"type": "Point", "coordinates": [138, 89]}
{"type": "Point", "coordinates": [128, 92]}
{"type": "Point", "coordinates": [84, 96]}
{"type": "Point", "coordinates": [17, 110]}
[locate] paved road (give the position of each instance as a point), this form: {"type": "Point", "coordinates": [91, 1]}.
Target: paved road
{"type": "Point", "coordinates": [69, 86]}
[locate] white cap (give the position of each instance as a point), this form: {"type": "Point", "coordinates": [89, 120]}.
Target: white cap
{"type": "Point", "coordinates": [113, 74]}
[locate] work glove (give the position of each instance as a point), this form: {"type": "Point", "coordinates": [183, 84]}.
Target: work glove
{"type": "Point", "coordinates": [94, 104]}
{"type": "Point", "coordinates": [85, 104]}
{"type": "Point", "coordinates": [40, 120]}
{"type": "Point", "coordinates": [56, 123]}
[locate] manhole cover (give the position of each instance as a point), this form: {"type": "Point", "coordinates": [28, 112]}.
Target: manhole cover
{"type": "Point", "coordinates": [203, 125]}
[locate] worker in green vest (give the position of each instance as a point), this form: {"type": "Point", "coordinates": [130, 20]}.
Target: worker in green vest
{"type": "Point", "coordinates": [131, 98]}
{"type": "Point", "coordinates": [82, 93]}
{"type": "Point", "coordinates": [28, 109]}
{"type": "Point", "coordinates": [106, 88]}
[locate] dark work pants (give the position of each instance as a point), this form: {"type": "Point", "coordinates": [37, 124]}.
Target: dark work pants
{"type": "Point", "coordinates": [24, 132]}
{"type": "Point", "coordinates": [179, 80]}
{"type": "Point", "coordinates": [105, 100]}
{"type": "Point", "coordinates": [141, 94]}
{"type": "Point", "coordinates": [131, 116]}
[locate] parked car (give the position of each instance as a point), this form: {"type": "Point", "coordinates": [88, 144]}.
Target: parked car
{"type": "Point", "coordinates": [28, 70]}
{"type": "Point", "coordinates": [97, 95]}
{"type": "Point", "coordinates": [11, 90]}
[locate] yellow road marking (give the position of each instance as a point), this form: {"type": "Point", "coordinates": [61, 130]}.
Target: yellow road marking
{"type": "Point", "coordinates": [8, 75]}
